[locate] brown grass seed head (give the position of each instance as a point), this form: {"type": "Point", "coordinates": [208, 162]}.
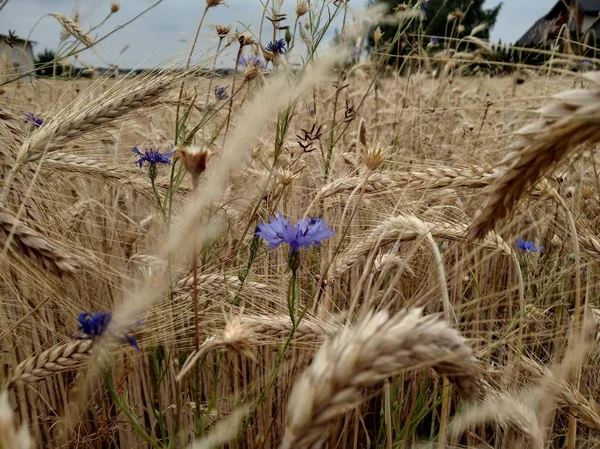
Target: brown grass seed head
{"type": "Point", "coordinates": [213, 3]}
{"type": "Point", "coordinates": [301, 8]}
{"type": "Point", "coordinates": [114, 7]}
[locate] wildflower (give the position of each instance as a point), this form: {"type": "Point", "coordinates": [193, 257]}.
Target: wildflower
{"type": "Point", "coordinates": [153, 157]}
{"type": "Point", "coordinates": [305, 233]}
{"type": "Point", "coordinates": [301, 8]}
{"type": "Point", "coordinates": [277, 46]}
{"type": "Point", "coordinates": [35, 120]}
{"type": "Point", "coordinates": [424, 5]}
{"type": "Point", "coordinates": [434, 41]}
{"type": "Point", "coordinates": [114, 7]}
{"type": "Point", "coordinates": [528, 247]}
{"type": "Point", "coordinates": [221, 93]}
{"type": "Point", "coordinates": [251, 60]}
{"type": "Point", "coordinates": [95, 325]}
{"type": "Point", "coordinates": [355, 52]}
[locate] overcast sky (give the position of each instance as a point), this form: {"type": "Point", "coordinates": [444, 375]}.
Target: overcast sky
{"type": "Point", "coordinates": [167, 30]}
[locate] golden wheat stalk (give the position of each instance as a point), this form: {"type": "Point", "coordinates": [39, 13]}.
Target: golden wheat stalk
{"type": "Point", "coordinates": [73, 28]}
{"type": "Point", "coordinates": [60, 358]}
{"type": "Point", "coordinates": [30, 243]}
{"type": "Point", "coordinates": [405, 228]}
{"type": "Point", "coordinates": [566, 126]}
{"type": "Point", "coordinates": [359, 357]}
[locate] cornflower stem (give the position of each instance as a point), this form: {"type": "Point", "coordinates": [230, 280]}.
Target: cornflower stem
{"type": "Point", "coordinates": [187, 66]}
{"type": "Point", "coordinates": [213, 67]}
{"type": "Point", "coordinates": [237, 63]}
{"type": "Point", "coordinates": [157, 196]}
{"type": "Point", "coordinates": [137, 427]}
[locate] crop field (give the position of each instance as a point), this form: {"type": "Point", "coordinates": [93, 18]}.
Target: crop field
{"type": "Point", "coordinates": [316, 252]}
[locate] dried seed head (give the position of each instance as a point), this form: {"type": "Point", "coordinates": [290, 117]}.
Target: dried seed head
{"type": "Point", "coordinates": [194, 159]}
{"type": "Point", "coordinates": [114, 7]}
{"type": "Point", "coordinates": [213, 3]}
{"type": "Point", "coordinates": [301, 8]}
{"type": "Point", "coordinates": [401, 7]}
{"type": "Point", "coordinates": [377, 35]}
{"type": "Point", "coordinates": [254, 69]}
{"type": "Point", "coordinates": [222, 30]}
{"type": "Point", "coordinates": [373, 157]}
{"type": "Point", "coordinates": [450, 17]}
{"type": "Point", "coordinates": [286, 176]}
{"type": "Point", "coordinates": [245, 39]}
{"type": "Point", "coordinates": [460, 29]}
{"type": "Point", "coordinates": [255, 152]}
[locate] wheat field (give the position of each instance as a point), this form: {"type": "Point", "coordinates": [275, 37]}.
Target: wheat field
{"type": "Point", "coordinates": [452, 305]}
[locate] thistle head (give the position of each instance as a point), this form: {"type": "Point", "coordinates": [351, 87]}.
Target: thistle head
{"type": "Point", "coordinates": [114, 7]}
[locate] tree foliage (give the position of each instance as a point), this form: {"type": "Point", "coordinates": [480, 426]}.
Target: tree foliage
{"type": "Point", "coordinates": [441, 18]}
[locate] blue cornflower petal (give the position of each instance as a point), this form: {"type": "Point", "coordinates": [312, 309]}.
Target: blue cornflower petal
{"type": "Point", "coordinates": [277, 46]}
{"type": "Point", "coordinates": [527, 246]}
{"type": "Point", "coordinates": [305, 233]}
{"type": "Point", "coordinates": [93, 325]}
{"type": "Point", "coordinates": [34, 119]}
{"type": "Point", "coordinates": [152, 157]}
{"type": "Point", "coordinates": [221, 93]}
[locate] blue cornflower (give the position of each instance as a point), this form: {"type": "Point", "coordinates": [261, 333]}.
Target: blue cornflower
{"type": "Point", "coordinates": [221, 93]}
{"type": "Point", "coordinates": [305, 233]}
{"type": "Point", "coordinates": [528, 247]}
{"type": "Point", "coordinates": [95, 325]}
{"type": "Point", "coordinates": [34, 119]}
{"type": "Point", "coordinates": [424, 5]}
{"type": "Point", "coordinates": [252, 60]}
{"type": "Point", "coordinates": [277, 46]}
{"type": "Point", "coordinates": [153, 157]}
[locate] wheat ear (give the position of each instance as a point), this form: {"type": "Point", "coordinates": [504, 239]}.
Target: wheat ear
{"type": "Point", "coordinates": [74, 29]}
{"type": "Point", "coordinates": [63, 357]}
{"type": "Point", "coordinates": [34, 246]}
{"type": "Point", "coordinates": [564, 126]}
{"type": "Point", "coordinates": [85, 117]}
{"type": "Point", "coordinates": [359, 357]}
{"type": "Point", "coordinates": [405, 228]}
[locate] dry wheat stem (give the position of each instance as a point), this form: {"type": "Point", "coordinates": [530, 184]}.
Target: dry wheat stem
{"type": "Point", "coordinates": [35, 247]}
{"type": "Point", "coordinates": [569, 125]}
{"type": "Point", "coordinates": [376, 348]}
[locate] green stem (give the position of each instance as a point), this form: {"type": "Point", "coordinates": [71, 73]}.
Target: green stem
{"type": "Point", "coordinates": [130, 416]}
